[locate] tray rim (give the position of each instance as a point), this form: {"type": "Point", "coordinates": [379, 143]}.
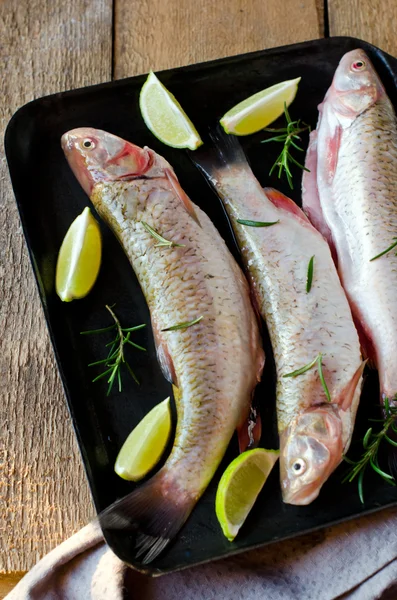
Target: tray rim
{"type": "Point", "coordinates": [212, 63]}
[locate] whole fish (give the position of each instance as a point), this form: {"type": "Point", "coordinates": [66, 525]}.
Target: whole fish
{"type": "Point", "coordinates": [350, 195]}
{"type": "Point", "coordinates": [216, 362]}
{"type": "Point", "coordinates": [314, 431]}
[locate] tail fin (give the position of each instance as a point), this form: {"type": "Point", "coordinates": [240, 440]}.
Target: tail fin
{"type": "Point", "coordinates": [154, 512]}
{"type": "Point", "coordinates": [225, 153]}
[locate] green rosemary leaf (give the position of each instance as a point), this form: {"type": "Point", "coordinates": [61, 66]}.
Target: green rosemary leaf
{"type": "Point", "coordinates": [136, 346]}
{"type": "Point", "coordinates": [162, 241]}
{"type": "Point", "coordinates": [393, 245]}
{"type": "Point", "coordinates": [91, 331]}
{"type": "Point", "coordinates": [379, 471]}
{"type": "Point", "coordinates": [302, 370]}
{"type": "Point", "coordinates": [134, 328]}
{"type": "Point", "coordinates": [349, 460]}
{"type": "Point", "coordinates": [321, 375]}
{"type": "Point", "coordinates": [287, 136]}
{"type": "Point", "coordinates": [183, 325]}
{"type": "Point", "coordinates": [131, 372]}
{"type": "Point", "coordinates": [99, 362]}
{"type": "Point", "coordinates": [367, 438]}
{"type": "Point", "coordinates": [257, 223]}
{"type": "Point", "coordinates": [309, 279]}
{"type": "Point", "coordinates": [360, 486]}
{"type": "Point", "coordinates": [111, 380]}
{"type": "Point", "coordinates": [319, 361]}
{"type": "Point", "coordinates": [115, 357]}
{"type": "Point", "coordinates": [102, 374]}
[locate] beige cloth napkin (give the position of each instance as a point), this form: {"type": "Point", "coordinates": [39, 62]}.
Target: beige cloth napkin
{"type": "Point", "coordinates": [356, 560]}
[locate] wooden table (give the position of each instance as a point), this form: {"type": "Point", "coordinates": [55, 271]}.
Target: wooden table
{"type": "Point", "coordinates": [52, 45]}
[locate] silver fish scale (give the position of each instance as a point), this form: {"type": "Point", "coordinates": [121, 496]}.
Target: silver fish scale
{"type": "Point", "coordinates": [300, 324]}
{"type": "Point", "coordinates": [364, 223]}
{"type": "Point", "coordinates": [217, 361]}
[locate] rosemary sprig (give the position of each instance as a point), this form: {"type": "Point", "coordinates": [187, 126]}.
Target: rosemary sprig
{"type": "Point", "coordinates": [393, 245]}
{"type": "Point", "coordinates": [371, 444]}
{"type": "Point", "coordinates": [183, 325]}
{"type": "Point", "coordinates": [257, 223]}
{"type": "Point", "coordinates": [287, 136]}
{"type": "Point", "coordinates": [115, 358]}
{"type": "Point", "coordinates": [162, 241]}
{"type": "Point", "coordinates": [309, 280]}
{"type": "Point", "coordinates": [319, 361]}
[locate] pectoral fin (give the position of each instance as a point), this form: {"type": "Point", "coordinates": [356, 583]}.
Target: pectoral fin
{"type": "Point", "coordinates": [163, 355]}
{"type": "Point", "coordinates": [347, 395]}
{"type": "Point", "coordinates": [176, 187]}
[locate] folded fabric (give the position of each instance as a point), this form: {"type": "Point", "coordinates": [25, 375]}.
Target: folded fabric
{"type": "Point", "coordinates": [356, 560]}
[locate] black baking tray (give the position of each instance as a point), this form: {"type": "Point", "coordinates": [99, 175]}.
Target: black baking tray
{"type": "Point", "coordinates": [49, 198]}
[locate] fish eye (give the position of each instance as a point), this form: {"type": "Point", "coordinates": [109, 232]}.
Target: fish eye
{"type": "Point", "coordinates": [88, 144]}
{"type": "Point", "coordinates": [299, 466]}
{"type": "Point", "coordinates": [359, 65]}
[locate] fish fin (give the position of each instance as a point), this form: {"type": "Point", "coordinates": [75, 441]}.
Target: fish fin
{"type": "Point", "coordinates": [225, 153]}
{"type": "Point", "coordinates": [151, 513]}
{"type": "Point", "coordinates": [250, 431]}
{"type": "Point", "coordinates": [284, 203]}
{"type": "Point", "coordinates": [310, 196]}
{"type": "Point", "coordinates": [346, 396]}
{"type": "Point", "coordinates": [163, 355]}
{"type": "Point", "coordinates": [181, 194]}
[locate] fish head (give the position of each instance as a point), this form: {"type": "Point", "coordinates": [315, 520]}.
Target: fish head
{"type": "Point", "coordinates": [356, 86]}
{"type": "Point", "coordinates": [98, 156]}
{"type": "Point", "coordinates": [310, 449]}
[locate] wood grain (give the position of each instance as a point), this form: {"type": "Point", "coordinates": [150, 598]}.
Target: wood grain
{"type": "Point", "coordinates": [45, 46]}
{"type": "Point", "coordinates": [159, 34]}
{"type": "Point", "coordinates": [8, 582]}
{"type": "Point", "coordinates": [370, 20]}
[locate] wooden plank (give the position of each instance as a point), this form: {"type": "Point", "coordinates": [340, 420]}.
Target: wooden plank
{"type": "Point", "coordinates": [44, 47]}
{"type": "Point", "coordinates": [370, 20]}
{"type": "Point", "coordinates": [8, 582]}
{"type": "Point", "coordinates": [162, 34]}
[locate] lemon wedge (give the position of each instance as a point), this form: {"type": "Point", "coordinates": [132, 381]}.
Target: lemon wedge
{"type": "Point", "coordinates": [165, 117]}
{"type": "Point", "coordinates": [79, 258]}
{"type": "Point", "coordinates": [239, 487]}
{"type": "Point", "coordinates": [261, 109]}
{"type": "Point", "coordinates": [146, 443]}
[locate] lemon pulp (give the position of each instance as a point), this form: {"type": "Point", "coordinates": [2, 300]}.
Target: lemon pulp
{"type": "Point", "coordinates": [165, 117]}
{"type": "Point", "coordinates": [239, 487]}
{"type": "Point", "coordinates": [79, 258]}
{"type": "Point", "coordinates": [145, 444]}
{"type": "Point", "coordinates": [261, 109]}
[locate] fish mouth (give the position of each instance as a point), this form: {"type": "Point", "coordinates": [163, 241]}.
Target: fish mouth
{"type": "Point", "coordinates": [302, 496]}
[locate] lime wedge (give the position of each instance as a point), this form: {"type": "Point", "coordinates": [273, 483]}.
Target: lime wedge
{"type": "Point", "coordinates": [165, 117]}
{"type": "Point", "coordinates": [261, 109]}
{"type": "Point", "coordinates": [239, 488]}
{"type": "Point", "coordinates": [79, 258]}
{"type": "Point", "coordinates": [146, 443]}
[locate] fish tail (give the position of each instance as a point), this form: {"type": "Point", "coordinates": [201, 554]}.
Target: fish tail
{"type": "Point", "coordinates": [225, 153]}
{"type": "Point", "coordinates": [153, 513]}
